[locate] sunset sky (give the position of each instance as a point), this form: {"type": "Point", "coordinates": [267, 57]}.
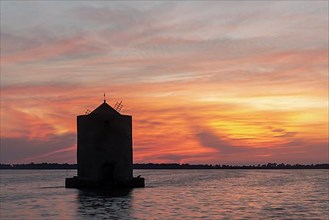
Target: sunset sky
{"type": "Point", "coordinates": [220, 82]}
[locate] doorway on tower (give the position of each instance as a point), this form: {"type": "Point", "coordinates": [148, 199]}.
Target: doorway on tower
{"type": "Point", "coordinates": [108, 172]}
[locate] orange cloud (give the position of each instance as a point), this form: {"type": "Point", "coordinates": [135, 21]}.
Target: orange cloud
{"type": "Point", "coordinates": [211, 87]}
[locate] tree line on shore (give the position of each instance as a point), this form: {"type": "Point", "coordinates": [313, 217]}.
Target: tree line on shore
{"type": "Point", "coordinates": [172, 166]}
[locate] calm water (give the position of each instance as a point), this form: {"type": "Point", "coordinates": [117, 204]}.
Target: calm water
{"type": "Point", "coordinates": [170, 194]}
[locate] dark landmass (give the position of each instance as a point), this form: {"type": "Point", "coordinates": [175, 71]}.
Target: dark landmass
{"type": "Point", "coordinates": [67, 166]}
{"type": "Point", "coordinates": [41, 166]}
{"type": "Point", "coordinates": [209, 166]}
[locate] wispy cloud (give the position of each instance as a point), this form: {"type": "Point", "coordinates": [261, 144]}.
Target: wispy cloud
{"type": "Point", "coordinates": [252, 75]}
{"type": "Point", "coordinates": [19, 150]}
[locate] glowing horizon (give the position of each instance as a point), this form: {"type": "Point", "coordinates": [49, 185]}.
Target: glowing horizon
{"type": "Point", "coordinates": [205, 82]}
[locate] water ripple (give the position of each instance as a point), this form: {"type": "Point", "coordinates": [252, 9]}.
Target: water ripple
{"type": "Point", "coordinates": [170, 194]}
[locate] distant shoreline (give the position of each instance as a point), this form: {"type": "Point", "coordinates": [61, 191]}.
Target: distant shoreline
{"type": "Point", "coordinates": [157, 166]}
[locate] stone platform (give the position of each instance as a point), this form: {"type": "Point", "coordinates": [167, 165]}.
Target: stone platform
{"type": "Point", "coordinates": [79, 183]}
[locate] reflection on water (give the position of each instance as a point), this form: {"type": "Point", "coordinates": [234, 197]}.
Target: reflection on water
{"type": "Point", "coordinates": [170, 194]}
{"type": "Point", "coordinates": [104, 204]}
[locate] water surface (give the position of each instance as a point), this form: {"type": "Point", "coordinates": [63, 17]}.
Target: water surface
{"type": "Point", "coordinates": [170, 194]}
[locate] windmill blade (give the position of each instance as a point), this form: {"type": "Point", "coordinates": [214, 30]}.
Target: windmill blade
{"type": "Point", "coordinates": [118, 106]}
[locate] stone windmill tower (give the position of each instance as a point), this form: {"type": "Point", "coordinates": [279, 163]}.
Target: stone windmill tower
{"type": "Point", "coordinates": [104, 149]}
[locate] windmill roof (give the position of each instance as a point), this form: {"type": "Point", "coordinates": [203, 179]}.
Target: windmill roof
{"type": "Point", "coordinates": [105, 109]}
